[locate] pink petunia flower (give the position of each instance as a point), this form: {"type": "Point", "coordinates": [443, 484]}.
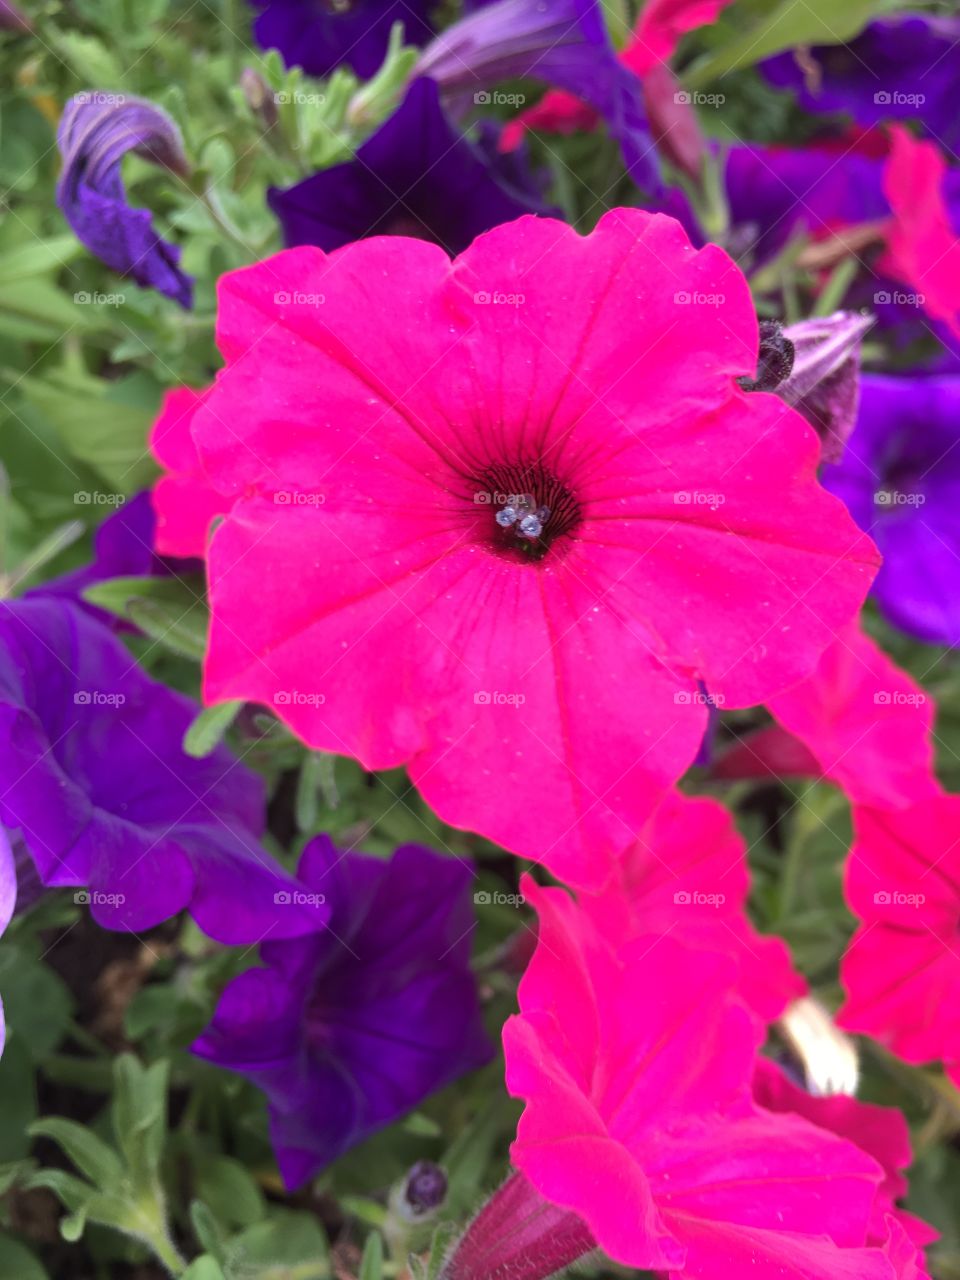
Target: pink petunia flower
{"type": "Point", "coordinates": [859, 720]}
{"type": "Point", "coordinates": [499, 516]}
{"type": "Point", "coordinates": [882, 1132]}
{"type": "Point", "coordinates": [661, 26]}
{"type": "Point", "coordinates": [901, 972]}
{"type": "Point", "coordinates": [923, 250]}
{"type": "Point", "coordinates": [636, 1067]}
{"type": "Point", "coordinates": [183, 499]}
{"type": "Point", "coordinates": [686, 877]}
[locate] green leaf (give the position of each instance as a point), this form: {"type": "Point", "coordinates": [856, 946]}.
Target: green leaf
{"type": "Point", "coordinates": [37, 1001]}
{"type": "Point", "coordinates": [289, 1246]}
{"type": "Point", "coordinates": [33, 259]}
{"type": "Point", "coordinates": [206, 732]}
{"type": "Point", "coordinates": [89, 1153]}
{"type": "Point", "coordinates": [205, 1268]}
{"type": "Point", "coordinates": [18, 1263]}
{"type": "Point", "coordinates": [788, 24]}
{"type": "Point", "coordinates": [230, 1191]}
{"type": "Point", "coordinates": [140, 1115]}
{"type": "Point", "coordinates": [18, 1108]}
{"type": "Point", "coordinates": [371, 1265]}
{"type": "Point", "coordinates": [168, 610]}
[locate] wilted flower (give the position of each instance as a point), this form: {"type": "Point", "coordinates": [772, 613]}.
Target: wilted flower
{"type": "Point", "coordinates": [558, 42]}
{"type": "Point", "coordinates": [347, 1030]}
{"type": "Point", "coordinates": [415, 176]}
{"type": "Point", "coordinates": [571, 515]}
{"type": "Point", "coordinates": [96, 131]}
{"type": "Point", "coordinates": [824, 378]}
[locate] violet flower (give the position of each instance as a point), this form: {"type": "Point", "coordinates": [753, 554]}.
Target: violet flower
{"type": "Point", "coordinates": [320, 36]}
{"type": "Point", "coordinates": [905, 66]}
{"type": "Point", "coordinates": [900, 478]}
{"type": "Point", "coordinates": [347, 1030]}
{"type": "Point", "coordinates": [562, 43]}
{"type": "Point", "coordinates": [95, 782]}
{"type": "Point", "coordinates": [415, 176]}
{"type": "Point", "coordinates": [96, 131]}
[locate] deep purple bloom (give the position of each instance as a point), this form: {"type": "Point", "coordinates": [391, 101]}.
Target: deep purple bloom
{"type": "Point", "coordinates": [415, 176]}
{"type": "Point", "coordinates": [96, 131]}
{"type": "Point", "coordinates": [906, 66]}
{"type": "Point", "coordinates": [12, 19]}
{"type": "Point", "coordinates": [778, 192]}
{"type": "Point", "coordinates": [347, 1030]}
{"type": "Point", "coordinates": [122, 547]}
{"type": "Point", "coordinates": [319, 35]}
{"type": "Point", "coordinates": [900, 478]}
{"type": "Point", "coordinates": [8, 900]}
{"type": "Point", "coordinates": [562, 43]}
{"type": "Point", "coordinates": [94, 780]}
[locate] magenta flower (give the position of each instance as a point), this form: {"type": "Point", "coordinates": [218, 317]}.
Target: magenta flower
{"type": "Point", "coordinates": [183, 499]}
{"type": "Point", "coordinates": [882, 1132]}
{"type": "Point", "coordinates": [500, 516]}
{"type": "Point", "coordinates": [901, 972]}
{"type": "Point", "coordinates": [687, 877]}
{"type": "Point", "coordinates": [864, 722]}
{"type": "Point", "coordinates": [636, 1064]}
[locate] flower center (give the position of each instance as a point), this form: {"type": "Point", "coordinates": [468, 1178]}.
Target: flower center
{"type": "Point", "coordinates": [529, 509]}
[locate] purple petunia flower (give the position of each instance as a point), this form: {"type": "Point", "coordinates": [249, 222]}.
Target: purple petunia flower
{"type": "Point", "coordinates": [96, 131]}
{"type": "Point", "coordinates": [122, 547]}
{"type": "Point", "coordinates": [347, 1030]}
{"type": "Point", "coordinates": [415, 176]}
{"type": "Point", "coordinates": [906, 66]}
{"type": "Point", "coordinates": [900, 478]}
{"type": "Point", "coordinates": [95, 782]}
{"type": "Point", "coordinates": [319, 35]}
{"type": "Point", "coordinates": [8, 900]}
{"type": "Point", "coordinates": [563, 43]}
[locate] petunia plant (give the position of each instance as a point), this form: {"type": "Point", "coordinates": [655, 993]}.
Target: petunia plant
{"type": "Point", "coordinates": [479, 709]}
